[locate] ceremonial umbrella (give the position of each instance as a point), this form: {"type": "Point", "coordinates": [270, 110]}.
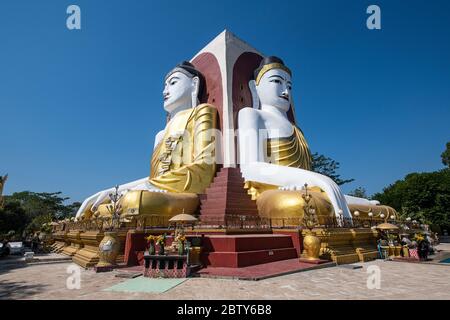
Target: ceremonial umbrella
{"type": "Point", "coordinates": [183, 218]}
{"type": "Point", "coordinates": [387, 227]}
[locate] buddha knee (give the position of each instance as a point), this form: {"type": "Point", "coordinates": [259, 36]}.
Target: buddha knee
{"type": "Point", "coordinates": [287, 207]}
{"type": "Point", "coordinates": [145, 203]}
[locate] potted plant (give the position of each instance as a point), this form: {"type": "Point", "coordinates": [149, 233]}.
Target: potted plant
{"type": "Point", "coordinates": [181, 239]}
{"type": "Point", "coordinates": [109, 246]}
{"type": "Point", "coordinates": [151, 244]}
{"type": "Point", "coordinates": [161, 241]}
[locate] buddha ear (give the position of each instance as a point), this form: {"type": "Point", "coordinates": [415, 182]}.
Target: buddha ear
{"type": "Point", "coordinates": [195, 91]}
{"type": "Point", "coordinates": [255, 98]}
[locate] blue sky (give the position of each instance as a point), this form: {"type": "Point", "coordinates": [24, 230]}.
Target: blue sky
{"type": "Point", "coordinates": [79, 109]}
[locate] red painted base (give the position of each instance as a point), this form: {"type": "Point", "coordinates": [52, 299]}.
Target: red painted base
{"type": "Point", "coordinates": [261, 271]}
{"type": "Point", "coordinates": [236, 251]}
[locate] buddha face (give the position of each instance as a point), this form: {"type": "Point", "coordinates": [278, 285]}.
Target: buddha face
{"type": "Point", "coordinates": [274, 89]}
{"type": "Point", "coordinates": [178, 91]}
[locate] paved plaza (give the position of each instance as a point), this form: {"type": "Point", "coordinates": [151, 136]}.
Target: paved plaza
{"type": "Point", "coordinates": [399, 280]}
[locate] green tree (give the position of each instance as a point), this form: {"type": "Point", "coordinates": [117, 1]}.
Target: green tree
{"type": "Point", "coordinates": [421, 196]}
{"type": "Point", "coordinates": [37, 204]}
{"type": "Point", "coordinates": [328, 167]}
{"type": "Point", "coordinates": [13, 217]}
{"type": "Point", "coordinates": [359, 192]}
{"type": "Point", "coordinates": [445, 156]}
{"type": "Point", "coordinates": [29, 210]}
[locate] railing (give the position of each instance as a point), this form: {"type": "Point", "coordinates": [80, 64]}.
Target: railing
{"type": "Point", "coordinates": [237, 222]}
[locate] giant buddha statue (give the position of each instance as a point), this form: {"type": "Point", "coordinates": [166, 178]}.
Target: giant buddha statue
{"type": "Point", "coordinates": [183, 161]}
{"type": "Point", "coordinates": [274, 156]}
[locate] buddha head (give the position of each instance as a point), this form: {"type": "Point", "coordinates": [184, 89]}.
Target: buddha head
{"type": "Point", "coordinates": [272, 83]}
{"type": "Point", "coordinates": [183, 86]}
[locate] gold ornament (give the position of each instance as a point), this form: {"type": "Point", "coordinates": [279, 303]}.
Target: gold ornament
{"type": "Point", "coordinates": [271, 66]}
{"type": "Point", "coordinates": [311, 246]}
{"type": "Point", "coordinates": [108, 250]}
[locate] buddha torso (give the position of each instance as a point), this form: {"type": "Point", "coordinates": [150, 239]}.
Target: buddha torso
{"type": "Point", "coordinates": [285, 144]}
{"type": "Point", "coordinates": [179, 161]}
{"type": "Point", "coordinates": [291, 151]}
{"type": "Point", "coordinates": [165, 154]}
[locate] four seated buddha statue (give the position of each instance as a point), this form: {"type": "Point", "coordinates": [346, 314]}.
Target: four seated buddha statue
{"type": "Point", "coordinates": [274, 156]}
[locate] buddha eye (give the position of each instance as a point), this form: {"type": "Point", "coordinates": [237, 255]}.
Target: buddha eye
{"type": "Point", "coordinates": [276, 81]}
{"type": "Point", "coordinates": [173, 82]}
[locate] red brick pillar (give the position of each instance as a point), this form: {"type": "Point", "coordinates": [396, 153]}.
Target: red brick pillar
{"type": "Point", "coordinates": [134, 243]}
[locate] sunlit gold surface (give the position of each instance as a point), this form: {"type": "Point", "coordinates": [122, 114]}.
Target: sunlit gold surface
{"type": "Point", "coordinates": [288, 205]}
{"type": "Point", "coordinates": [311, 247]}
{"type": "Point", "coordinates": [108, 250]}
{"type": "Point", "coordinates": [376, 211]}
{"type": "Point", "coordinates": [186, 163]}
{"type": "Point", "coordinates": [255, 189]}
{"type": "Point", "coordinates": [88, 256]}
{"type": "Point", "coordinates": [138, 202]}
{"type": "Point", "coordinates": [289, 152]}
{"type": "Point", "coordinates": [347, 245]}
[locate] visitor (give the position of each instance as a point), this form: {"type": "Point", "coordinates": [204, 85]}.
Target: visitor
{"type": "Point", "coordinates": [5, 247]}
{"type": "Point", "coordinates": [430, 241]}
{"type": "Point", "coordinates": [35, 243]}
{"type": "Point", "coordinates": [382, 252]}
{"type": "Point", "coordinates": [423, 249]}
{"type": "Point", "coordinates": [405, 240]}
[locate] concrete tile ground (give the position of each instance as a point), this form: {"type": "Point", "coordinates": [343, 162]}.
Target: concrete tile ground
{"type": "Point", "coordinates": [399, 280]}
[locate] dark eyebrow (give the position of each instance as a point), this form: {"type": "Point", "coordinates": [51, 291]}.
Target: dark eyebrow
{"type": "Point", "coordinates": [289, 82]}
{"type": "Point", "coordinates": [173, 78]}
{"type": "Point", "coordinates": [276, 76]}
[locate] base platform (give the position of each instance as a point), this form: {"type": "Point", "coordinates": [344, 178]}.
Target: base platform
{"type": "Point", "coordinates": [236, 251]}
{"type": "Point", "coordinates": [261, 271]}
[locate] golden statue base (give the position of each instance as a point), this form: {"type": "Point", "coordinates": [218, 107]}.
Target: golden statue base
{"type": "Point", "coordinates": [348, 245]}
{"type": "Point", "coordinates": [58, 246]}
{"type": "Point", "coordinates": [88, 256]}
{"type": "Point", "coordinates": [73, 237]}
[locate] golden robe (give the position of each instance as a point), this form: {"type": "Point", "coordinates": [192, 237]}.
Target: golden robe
{"type": "Point", "coordinates": [286, 207]}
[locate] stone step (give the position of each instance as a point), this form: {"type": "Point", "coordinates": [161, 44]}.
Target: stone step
{"type": "Point", "coordinates": [244, 205]}
{"type": "Point", "coordinates": [231, 195]}
{"type": "Point", "coordinates": [236, 251]}
{"type": "Point", "coordinates": [235, 185]}
{"type": "Point", "coordinates": [247, 258]}
{"type": "Point", "coordinates": [225, 211]}
{"type": "Point", "coordinates": [220, 189]}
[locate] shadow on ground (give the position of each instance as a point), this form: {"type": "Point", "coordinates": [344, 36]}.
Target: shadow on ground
{"type": "Point", "coordinates": [18, 290]}
{"type": "Point", "coordinates": [10, 263]}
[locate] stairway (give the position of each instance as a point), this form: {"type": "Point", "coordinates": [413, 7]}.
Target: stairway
{"type": "Point", "coordinates": [226, 196]}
